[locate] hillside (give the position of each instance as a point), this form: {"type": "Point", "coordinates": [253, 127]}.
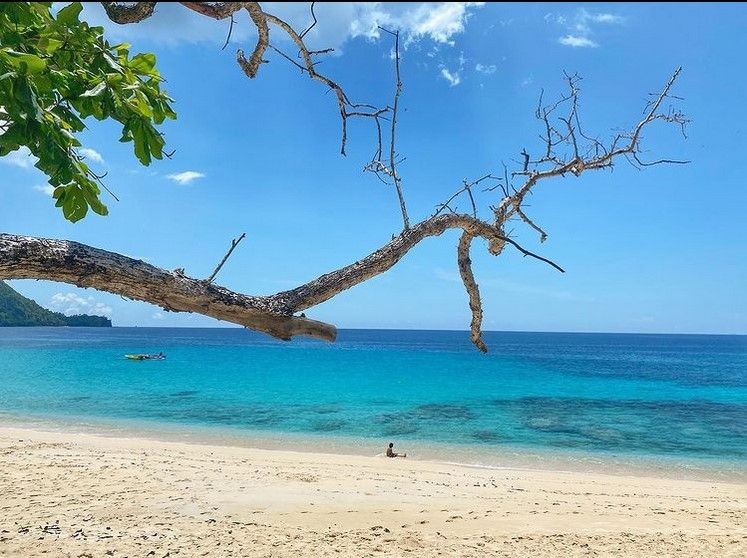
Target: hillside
{"type": "Point", "coordinates": [17, 310]}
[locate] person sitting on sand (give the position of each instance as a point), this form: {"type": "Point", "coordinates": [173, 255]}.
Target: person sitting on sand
{"type": "Point", "coordinates": [390, 452]}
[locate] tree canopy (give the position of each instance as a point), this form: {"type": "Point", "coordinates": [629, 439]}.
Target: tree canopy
{"type": "Point", "coordinates": [55, 72]}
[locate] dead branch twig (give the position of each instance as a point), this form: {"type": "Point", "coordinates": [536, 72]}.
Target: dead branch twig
{"type": "Point", "coordinates": [234, 244]}
{"type": "Point", "coordinates": [392, 150]}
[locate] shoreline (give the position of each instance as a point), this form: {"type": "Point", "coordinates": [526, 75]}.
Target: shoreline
{"type": "Point", "coordinates": [496, 458]}
{"type": "Point", "coordinates": [66, 494]}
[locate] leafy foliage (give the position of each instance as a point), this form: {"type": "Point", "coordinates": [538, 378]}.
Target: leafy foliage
{"type": "Point", "coordinates": [17, 310]}
{"type": "Point", "coordinates": [56, 71]}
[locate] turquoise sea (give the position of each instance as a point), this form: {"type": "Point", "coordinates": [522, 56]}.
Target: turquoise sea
{"type": "Point", "coordinates": [678, 401]}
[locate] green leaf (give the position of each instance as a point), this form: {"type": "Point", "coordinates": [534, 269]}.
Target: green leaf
{"type": "Point", "coordinates": [49, 45]}
{"type": "Point", "coordinates": [143, 63]}
{"type": "Point", "coordinates": [140, 138]}
{"type": "Point", "coordinates": [142, 107]}
{"type": "Point", "coordinates": [27, 63]}
{"type": "Point", "coordinates": [74, 206]}
{"type": "Point", "coordinates": [56, 71]}
{"type": "Point", "coordinates": [74, 210]}
{"type": "Point", "coordinates": [113, 64]}
{"type": "Point", "coordinates": [28, 101]}
{"type": "Point", "coordinates": [95, 91]}
{"type": "Point", "coordinates": [93, 200]}
{"type": "Point", "coordinates": [69, 14]}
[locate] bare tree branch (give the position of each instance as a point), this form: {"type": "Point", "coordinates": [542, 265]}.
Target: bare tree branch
{"type": "Point", "coordinates": [567, 148]}
{"type": "Point", "coordinates": [126, 13]}
{"type": "Point", "coordinates": [342, 99]}
{"type": "Point", "coordinates": [392, 141]}
{"type": "Point", "coordinates": [251, 66]}
{"type": "Point", "coordinates": [24, 257]}
{"type": "Point", "coordinates": [473, 291]}
{"type": "Point", "coordinates": [230, 32]}
{"type": "Point", "coordinates": [576, 163]}
{"type": "Point", "coordinates": [467, 187]}
{"type": "Point", "coordinates": [234, 244]}
{"type": "Point", "coordinates": [313, 23]}
{"type": "Point", "coordinates": [528, 221]}
{"type": "Point", "coordinates": [325, 287]}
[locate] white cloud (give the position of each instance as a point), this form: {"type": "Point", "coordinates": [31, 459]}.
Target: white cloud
{"type": "Point", "coordinates": [338, 22]}
{"type": "Point", "coordinates": [452, 78]}
{"type": "Point", "coordinates": [579, 42]}
{"type": "Point", "coordinates": [579, 26]}
{"type": "Point", "coordinates": [606, 18]}
{"type": "Point", "coordinates": [559, 19]}
{"type": "Point", "coordinates": [71, 304]}
{"type": "Point", "coordinates": [486, 69]}
{"type": "Point", "coordinates": [185, 177]}
{"type": "Point", "coordinates": [172, 23]}
{"type": "Point", "coordinates": [47, 189]}
{"type": "Point", "coordinates": [438, 21]}
{"type": "Point", "coordinates": [21, 157]}
{"type": "Point", "coordinates": [158, 316]}
{"type": "Point", "coordinates": [91, 154]}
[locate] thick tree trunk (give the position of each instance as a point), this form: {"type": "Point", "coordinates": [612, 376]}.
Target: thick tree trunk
{"type": "Point", "coordinates": [25, 257]}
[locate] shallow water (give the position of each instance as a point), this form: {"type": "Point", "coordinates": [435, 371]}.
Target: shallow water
{"type": "Point", "coordinates": [669, 397]}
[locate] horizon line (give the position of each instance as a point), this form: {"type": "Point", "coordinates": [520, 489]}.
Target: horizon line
{"type": "Point", "coordinates": [427, 329]}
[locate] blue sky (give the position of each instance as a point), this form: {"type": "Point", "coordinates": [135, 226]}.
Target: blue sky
{"type": "Point", "coordinates": [660, 250]}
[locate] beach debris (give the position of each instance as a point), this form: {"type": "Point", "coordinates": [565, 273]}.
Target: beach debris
{"type": "Point", "coordinates": [53, 529]}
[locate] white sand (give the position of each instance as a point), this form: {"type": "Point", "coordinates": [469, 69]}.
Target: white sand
{"type": "Point", "coordinates": [80, 495]}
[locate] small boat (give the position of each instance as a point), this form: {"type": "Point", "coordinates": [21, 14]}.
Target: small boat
{"type": "Point", "coordinates": [159, 356]}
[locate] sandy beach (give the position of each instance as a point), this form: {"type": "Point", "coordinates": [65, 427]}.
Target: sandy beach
{"type": "Point", "coordinates": [82, 495]}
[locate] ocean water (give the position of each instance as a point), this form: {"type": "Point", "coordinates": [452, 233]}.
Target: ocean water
{"type": "Point", "coordinates": [673, 399]}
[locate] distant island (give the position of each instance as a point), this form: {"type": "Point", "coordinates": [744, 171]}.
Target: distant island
{"type": "Point", "coordinates": [16, 310]}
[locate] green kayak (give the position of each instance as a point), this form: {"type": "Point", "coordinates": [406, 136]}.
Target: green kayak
{"type": "Point", "coordinates": [159, 356]}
